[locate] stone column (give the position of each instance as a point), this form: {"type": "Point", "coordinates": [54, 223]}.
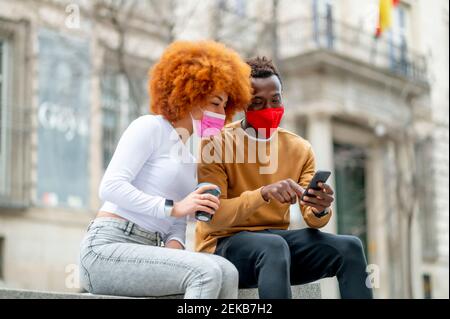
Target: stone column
{"type": "Point", "coordinates": [290, 123]}
{"type": "Point", "coordinates": [320, 135]}
{"type": "Point", "coordinates": [377, 219]}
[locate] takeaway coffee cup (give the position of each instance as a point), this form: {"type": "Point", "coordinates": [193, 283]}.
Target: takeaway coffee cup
{"type": "Point", "coordinates": [204, 216]}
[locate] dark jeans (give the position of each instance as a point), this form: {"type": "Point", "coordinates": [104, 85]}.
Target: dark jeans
{"type": "Point", "coordinates": [272, 260]}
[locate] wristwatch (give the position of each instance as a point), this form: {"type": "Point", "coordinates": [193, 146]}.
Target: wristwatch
{"type": "Point", "coordinates": [168, 206]}
{"type": "Point", "coordinates": [322, 213]}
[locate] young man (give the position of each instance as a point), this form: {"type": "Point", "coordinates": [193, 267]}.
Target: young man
{"type": "Point", "coordinates": [250, 227]}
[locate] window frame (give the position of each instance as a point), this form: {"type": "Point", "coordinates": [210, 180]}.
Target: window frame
{"type": "Point", "coordinates": [121, 107]}
{"type": "Point", "coordinates": [399, 39]}
{"type": "Point", "coordinates": [5, 134]}
{"type": "Point", "coordinates": [110, 106]}
{"type": "Point", "coordinates": [2, 258]}
{"type": "Point", "coordinates": [17, 191]}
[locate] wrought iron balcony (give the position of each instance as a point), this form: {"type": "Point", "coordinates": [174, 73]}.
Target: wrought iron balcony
{"type": "Point", "coordinates": [300, 36]}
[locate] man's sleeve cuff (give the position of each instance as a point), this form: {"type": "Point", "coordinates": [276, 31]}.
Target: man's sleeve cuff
{"type": "Point", "coordinates": [323, 213]}
{"type": "Point", "coordinates": [255, 199]}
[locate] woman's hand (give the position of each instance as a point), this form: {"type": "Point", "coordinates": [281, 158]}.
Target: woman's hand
{"type": "Point", "coordinates": [174, 244]}
{"type": "Point", "coordinates": [197, 201]}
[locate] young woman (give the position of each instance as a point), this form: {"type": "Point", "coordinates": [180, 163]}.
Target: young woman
{"type": "Point", "coordinates": [135, 245]}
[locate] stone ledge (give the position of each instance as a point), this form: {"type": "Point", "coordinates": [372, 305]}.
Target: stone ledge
{"type": "Point", "coordinates": [309, 291]}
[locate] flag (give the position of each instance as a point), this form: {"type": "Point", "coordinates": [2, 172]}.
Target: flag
{"type": "Point", "coordinates": [385, 15]}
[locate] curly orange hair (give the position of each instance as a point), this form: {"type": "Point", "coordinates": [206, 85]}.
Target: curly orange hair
{"type": "Point", "coordinates": [188, 72]}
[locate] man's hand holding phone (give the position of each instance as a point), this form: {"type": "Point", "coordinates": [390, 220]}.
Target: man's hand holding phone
{"type": "Point", "coordinates": [318, 199]}
{"type": "Point", "coordinates": [318, 195]}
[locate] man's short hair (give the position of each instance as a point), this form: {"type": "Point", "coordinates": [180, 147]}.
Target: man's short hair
{"type": "Point", "coordinates": [263, 67]}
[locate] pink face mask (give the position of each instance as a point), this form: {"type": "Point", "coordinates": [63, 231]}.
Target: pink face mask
{"type": "Point", "coordinates": [210, 124]}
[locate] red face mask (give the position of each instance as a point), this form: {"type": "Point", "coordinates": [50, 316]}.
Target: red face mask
{"type": "Point", "coordinates": [266, 120]}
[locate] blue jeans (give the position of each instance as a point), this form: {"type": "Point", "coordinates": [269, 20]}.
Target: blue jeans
{"type": "Point", "coordinates": [120, 258]}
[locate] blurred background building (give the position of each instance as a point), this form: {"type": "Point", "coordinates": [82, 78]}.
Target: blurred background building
{"type": "Point", "coordinates": [376, 109]}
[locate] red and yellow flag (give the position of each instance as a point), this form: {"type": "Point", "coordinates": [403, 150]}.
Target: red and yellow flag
{"type": "Point", "coordinates": [385, 15]}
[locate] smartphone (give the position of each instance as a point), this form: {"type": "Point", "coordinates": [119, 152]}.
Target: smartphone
{"type": "Point", "coordinates": [319, 177]}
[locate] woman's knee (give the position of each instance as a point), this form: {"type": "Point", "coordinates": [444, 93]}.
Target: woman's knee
{"type": "Point", "coordinates": [204, 280]}
{"type": "Point", "coordinates": [230, 278]}
{"type": "Point", "coordinates": [208, 272]}
{"type": "Point", "coordinates": [229, 271]}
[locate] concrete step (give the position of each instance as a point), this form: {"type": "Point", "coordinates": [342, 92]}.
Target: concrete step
{"type": "Point", "coordinates": [309, 291]}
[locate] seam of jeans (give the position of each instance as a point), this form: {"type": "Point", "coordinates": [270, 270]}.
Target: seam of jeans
{"type": "Point", "coordinates": [89, 250]}
{"type": "Point", "coordinates": [87, 276]}
{"type": "Point", "coordinates": [139, 261]}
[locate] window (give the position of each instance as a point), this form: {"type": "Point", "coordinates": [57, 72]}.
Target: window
{"type": "Point", "coordinates": [3, 118]}
{"type": "Point", "coordinates": [399, 39]}
{"type": "Point", "coordinates": [427, 288]}
{"type": "Point", "coordinates": [239, 7]}
{"type": "Point", "coordinates": [110, 117]}
{"type": "Point", "coordinates": [15, 115]}
{"type": "Point", "coordinates": [426, 192]}
{"type": "Point", "coordinates": [63, 153]}
{"type": "Point", "coordinates": [1, 95]}
{"type": "Point", "coordinates": [323, 23]}
{"type": "Point", "coordinates": [2, 257]}
{"type": "Point", "coordinates": [123, 100]}
{"type": "Point", "coordinates": [350, 192]}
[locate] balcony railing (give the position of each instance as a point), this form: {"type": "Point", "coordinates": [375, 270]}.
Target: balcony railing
{"type": "Point", "coordinates": [304, 35]}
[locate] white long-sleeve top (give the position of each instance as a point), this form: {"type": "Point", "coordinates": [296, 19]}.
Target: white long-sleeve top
{"type": "Point", "coordinates": [149, 165]}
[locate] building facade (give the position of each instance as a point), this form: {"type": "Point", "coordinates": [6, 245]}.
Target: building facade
{"type": "Point", "coordinates": [73, 75]}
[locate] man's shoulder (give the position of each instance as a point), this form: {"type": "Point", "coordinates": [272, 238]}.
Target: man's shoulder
{"type": "Point", "coordinates": [293, 138]}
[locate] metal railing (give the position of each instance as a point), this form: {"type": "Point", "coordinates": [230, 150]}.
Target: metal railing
{"type": "Point", "coordinates": [299, 36]}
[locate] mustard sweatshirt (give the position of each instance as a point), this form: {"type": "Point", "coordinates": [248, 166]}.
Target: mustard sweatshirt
{"type": "Point", "coordinates": [241, 165]}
